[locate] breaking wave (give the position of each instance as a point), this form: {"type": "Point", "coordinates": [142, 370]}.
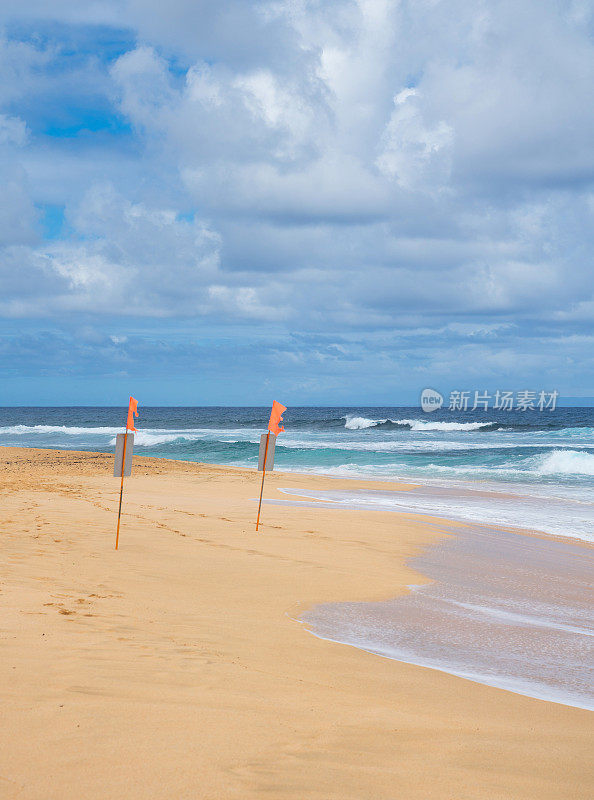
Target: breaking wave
{"type": "Point", "coordinates": [565, 462]}
{"type": "Point", "coordinates": [421, 425]}
{"type": "Point", "coordinates": [360, 423]}
{"type": "Point", "coordinates": [69, 430]}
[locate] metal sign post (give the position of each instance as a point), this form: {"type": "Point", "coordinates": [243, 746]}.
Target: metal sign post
{"type": "Point", "coordinates": [265, 461]}
{"type": "Point", "coordinates": [122, 468]}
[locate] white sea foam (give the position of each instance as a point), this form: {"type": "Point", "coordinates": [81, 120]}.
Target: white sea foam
{"type": "Point", "coordinates": [69, 430]}
{"type": "Point", "coordinates": [436, 425]}
{"type": "Point", "coordinates": [565, 462]}
{"type": "Point", "coordinates": [386, 445]}
{"type": "Point", "coordinates": [557, 462]}
{"type": "Point", "coordinates": [516, 685]}
{"type": "Point", "coordinates": [143, 436]}
{"type": "Point", "coordinates": [502, 609]}
{"type": "Point", "coordinates": [513, 618]}
{"type": "Point", "coordinates": [150, 439]}
{"type": "Point", "coordinates": [360, 423]}
{"type": "Point", "coordinates": [571, 517]}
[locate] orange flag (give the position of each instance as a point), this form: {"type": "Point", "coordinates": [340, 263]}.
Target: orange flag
{"type": "Point", "coordinates": [276, 416]}
{"type": "Point", "coordinates": [132, 412]}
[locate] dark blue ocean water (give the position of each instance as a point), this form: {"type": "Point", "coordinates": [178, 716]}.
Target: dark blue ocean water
{"type": "Point", "coordinates": [384, 442]}
{"type": "Point", "coordinates": [545, 453]}
{"type": "Point", "coordinates": [516, 616]}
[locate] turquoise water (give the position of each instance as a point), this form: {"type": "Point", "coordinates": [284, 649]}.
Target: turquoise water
{"type": "Point", "coordinates": [538, 465]}
{"type": "Point", "coordinates": [543, 446]}
{"type": "Point", "coordinates": [516, 616]}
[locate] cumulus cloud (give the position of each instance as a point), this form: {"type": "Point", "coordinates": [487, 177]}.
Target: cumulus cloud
{"type": "Point", "coordinates": [366, 165]}
{"type": "Point", "coordinates": [412, 153]}
{"type": "Point", "coordinates": [124, 258]}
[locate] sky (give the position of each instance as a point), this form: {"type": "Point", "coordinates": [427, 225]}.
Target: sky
{"type": "Point", "coordinates": [334, 203]}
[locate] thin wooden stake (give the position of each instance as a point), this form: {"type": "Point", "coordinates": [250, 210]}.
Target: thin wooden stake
{"type": "Point", "coordinates": [121, 487]}
{"type": "Point", "coordinates": [263, 476]}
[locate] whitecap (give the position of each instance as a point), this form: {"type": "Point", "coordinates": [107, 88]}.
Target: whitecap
{"type": "Point", "coordinates": [565, 462]}
{"type": "Point", "coordinates": [360, 423]}
{"type": "Point", "coordinates": [436, 425]}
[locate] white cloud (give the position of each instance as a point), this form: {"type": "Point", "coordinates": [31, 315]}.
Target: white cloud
{"type": "Point", "coordinates": [326, 165]}
{"type": "Point", "coordinates": [415, 155]}
{"type": "Point", "coordinates": [245, 301]}
{"type": "Point", "coordinates": [126, 258]}
{"type": "Point", "coordinates": [145, 85]}
{"type": "Point", "coordinates": [12, 131]}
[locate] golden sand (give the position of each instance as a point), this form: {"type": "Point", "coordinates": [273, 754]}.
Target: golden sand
{"type": "Point", "coordinates": [174, 668]}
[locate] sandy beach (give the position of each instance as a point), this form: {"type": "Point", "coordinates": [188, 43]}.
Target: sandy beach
{"type": "Point", "coordinates": [174, 667]}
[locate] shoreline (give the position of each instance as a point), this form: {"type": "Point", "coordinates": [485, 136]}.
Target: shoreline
{"type": "Point", "coordinates": [466, 502]}
{"type": "Point", "coordinates": [177, 659]}
{"type": "Point", "coordinates": [482, 614]}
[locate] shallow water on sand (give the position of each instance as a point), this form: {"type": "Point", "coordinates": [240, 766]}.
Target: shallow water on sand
{"type": "Point", "coordinates": [560, 511]}
{"type": "Point", "coordinates": [526, 452]}
{"type": "Point", "coordinates": [504, 609]}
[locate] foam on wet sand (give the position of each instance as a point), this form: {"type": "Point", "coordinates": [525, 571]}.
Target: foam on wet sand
{"type": "Point", "coordinates": [173, 667]}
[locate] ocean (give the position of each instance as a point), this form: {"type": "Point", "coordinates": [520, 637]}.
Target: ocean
{"type": "Point", "coordinates": [526, 469]}
{"type": "Point", "coordinates": [507, 609]}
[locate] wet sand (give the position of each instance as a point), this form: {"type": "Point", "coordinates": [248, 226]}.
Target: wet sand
{"type": "Point", "coordinates": [173, 667]}
{"type": "Point", "coordinates": [503, 608]}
